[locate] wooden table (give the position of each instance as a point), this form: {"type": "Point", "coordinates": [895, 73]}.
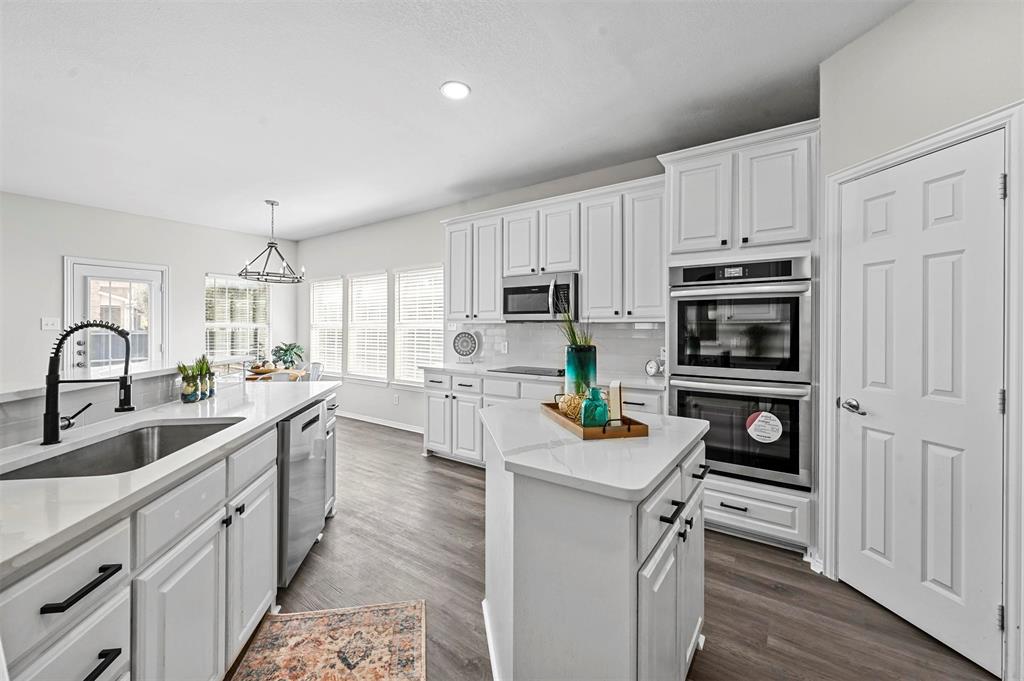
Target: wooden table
{"type": "Point", "coordinates": [296, 375]}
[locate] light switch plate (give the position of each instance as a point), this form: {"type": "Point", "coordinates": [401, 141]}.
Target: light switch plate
{"type": "Point", "coordinates": [49, 323]}
{"type": "Point", "coordinates": [503, 347]}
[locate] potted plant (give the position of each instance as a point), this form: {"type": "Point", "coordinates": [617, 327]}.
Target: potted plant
{"type": "Point", "coordinates": [205, 375]}
{"type": "Point", "coordinates": [287, 354]}
{"type": "Point", "coordinates": [189, 383]}
{"type": "Point", "coordinates": [580, 359]}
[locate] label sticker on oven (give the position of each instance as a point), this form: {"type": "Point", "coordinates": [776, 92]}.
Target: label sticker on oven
{"type": "Point", "coordinates": [764, 426]}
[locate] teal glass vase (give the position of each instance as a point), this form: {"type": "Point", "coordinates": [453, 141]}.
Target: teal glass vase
{"type": "Point", "coordinates": [580, 369]}
{"type": "Point", "coordinates": [594, 411]}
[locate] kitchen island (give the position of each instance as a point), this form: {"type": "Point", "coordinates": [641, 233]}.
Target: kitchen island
{"type": "Point", "coordinates": [594, 549]}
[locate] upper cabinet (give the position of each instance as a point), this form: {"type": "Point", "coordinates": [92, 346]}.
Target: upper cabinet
{"type": "Point", "coordinates": [643, 254]}
{"type": "Point", "coordinates": [601, 280]}
{"type": "Point", "coordinates": [560, 237]}
{"type": "Point", "coordinates": [750, 191]}
{"type": "Point", "coordinates": [487, 269]}
{"type": "Point", "coordinates": [458, 249]}
{"type": "Point", "coordinates": [520, 244]}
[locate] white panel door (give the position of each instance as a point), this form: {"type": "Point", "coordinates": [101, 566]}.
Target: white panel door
{"type": "Point", "coordinates": [601, 278]}
{"type": "Point", "coordinates": [560, 237]}
{"type": "Point", "coordinates": [458, 280]}
{"type": "Point", "coordinates": [179, 603]}
{"type": "Point", "coordinates": [519, 243]}
{"type": "Point", "coordinates": [691, 580]}
{"type": "Point", "coordinates": [658, 603]}
{"type": "Point", "coordinates": [252, 560]}
{"type": "Point", "coordinates": [643, 255]}
{"type": "Point", "coordinates": [774, 192]}
{"type": "Point", "coordinates": [700, 204]}
{"type": "Point", "coordinates": [437, 431]}
{"type": "Point", "coordinates": [331, 460]}
{"type": "Point", "coordinates": [467, 431]}
{"type": "Point", "coordinates": [487, 269]}
{"type": "Point", "coordinates": [921, 471]}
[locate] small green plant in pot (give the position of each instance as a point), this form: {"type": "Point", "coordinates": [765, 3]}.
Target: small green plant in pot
{"type": "Point", "coordinates": [202, 367]}
{"type": "Point", "coordinates": [288, 354]}
{"type": "Point", "coordinates": [189, 383]}
{"type": "Point", "coordinates": [580, 363]}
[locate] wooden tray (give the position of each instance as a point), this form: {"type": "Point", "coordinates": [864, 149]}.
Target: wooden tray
{"type": "Point", "coordinates": [626, 427]}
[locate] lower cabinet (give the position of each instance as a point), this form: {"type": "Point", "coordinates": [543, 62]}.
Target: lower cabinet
{"type": "Point", "coordinates": [437, 429]}
{"type": "Point", "coordinates": [179, 606]}
{"type": "Point", "coordinates": [467, 432]}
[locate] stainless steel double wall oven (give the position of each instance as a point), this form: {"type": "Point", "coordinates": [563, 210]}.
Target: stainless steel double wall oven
{"type": "Point", "coordinates": [740, 356]}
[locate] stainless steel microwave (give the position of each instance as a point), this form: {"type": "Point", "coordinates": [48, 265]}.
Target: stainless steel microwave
{"type": "Point", "coordinates": [539, 298]}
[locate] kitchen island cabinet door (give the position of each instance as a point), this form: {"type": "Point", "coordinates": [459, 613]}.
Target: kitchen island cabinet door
{"type": "Point", "coordinates": [467, 431]}
{"type": "Point", "coordinates": [691, 580]}
{"type": "Point", "coordinates": [179, 606]}
{"type": "Point", "coordinates": [659, 602]}
{"type": "Point", "coordinates": [252, 559]}
{"type": "Point", "coordinates": [459, 271]}
{"type": "Point", "coordinates": [437, 431]}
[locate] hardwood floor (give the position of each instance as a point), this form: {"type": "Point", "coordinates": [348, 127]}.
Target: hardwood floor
{"type": "Point", "coordinates": [410, 527]}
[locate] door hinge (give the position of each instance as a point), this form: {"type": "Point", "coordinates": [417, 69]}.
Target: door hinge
{"type": "Point", "coordinates": [1001, 617]}
{"type": "Point", "coordinates": [1002, 400]}
{"type": "Point", "coordinates": [1002, 186]}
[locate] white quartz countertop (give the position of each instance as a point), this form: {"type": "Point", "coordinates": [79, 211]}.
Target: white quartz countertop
{"type": "Point", "coordinates": [532, 444]}
{"type": "Point", "coordinates": [38, 517]}
{"type": "Point", "coordinates": [634, 381]}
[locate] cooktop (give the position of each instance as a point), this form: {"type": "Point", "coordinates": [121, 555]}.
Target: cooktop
{"type": "Point", "coordinates": [533, 371]}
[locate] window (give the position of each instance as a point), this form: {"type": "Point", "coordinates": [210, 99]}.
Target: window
{"type": "Point", "coordinates": [368, 326]}
{"type": "Point", "coordinates": [419, 322]}
{"type": "Point", "coordinates": [126, 294]}
{"type": "Point", "coordinates": [327, 317]}
{"type": "Point", "coordinates": [237, 317]}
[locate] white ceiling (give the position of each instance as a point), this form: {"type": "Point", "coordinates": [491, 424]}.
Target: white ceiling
{"type": "Point", "coordinates": [199, 111]}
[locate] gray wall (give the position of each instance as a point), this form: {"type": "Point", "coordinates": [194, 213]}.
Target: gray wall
{"type": "Point", "coordinates": [930, 66]}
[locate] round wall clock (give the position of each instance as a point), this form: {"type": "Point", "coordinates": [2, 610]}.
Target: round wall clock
{"type": "Point", "coordinates": [465, 344]}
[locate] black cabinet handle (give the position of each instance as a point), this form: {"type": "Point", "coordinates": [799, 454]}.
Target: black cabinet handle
{"type": "Point", "coordinates": [331, 407]}
{"type": "Point", "coordinates": [616, 312]}
{"type": "Point", "coordinates": [745, 240]}
{"type": "Point", "coordinates": [532, 269]}
{"type": "Point", "coordinates": [434, 380]}
{"type": "Point", "coordinates": [240, 509]}
{"type": "Point", "coordinates": [703, 473]}
{"type": "Point", "coordinates": [634, 404]}
{"type": "Point", "coordinates": [629, 312]}
{"type": "Point", "coordinates": [671, 519]}
{"type": "Point", "coordinates": [106, 572]}
{"type": "Point", "coordinates": [309, 424]}
{"type": "Point", "coordinates": [683, 535]}
{"type": "Point", "coordinates": [541, 269]}
{"type": "Point", "coordinates": [725, 242]}
{"type": "Point", "coordinates": [467, 316]}
{"type": "Point", "coordinates": [107, 657]}
{"type": "Point", "coordinates": [474, 315]}
{"type": "Point", "coordinates": [689, 521]}
{"type": "Point", "coordinates": [741, 509]}
{"type": "Point", "coordinates": [464, 385]}
{"type": "Point", "coordinates": [226, 522]}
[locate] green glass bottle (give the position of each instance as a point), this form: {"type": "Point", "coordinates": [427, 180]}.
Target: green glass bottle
{"type": "Point", "coordinates": [595, 410]}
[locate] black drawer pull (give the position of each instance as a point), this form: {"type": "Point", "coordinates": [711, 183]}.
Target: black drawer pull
{"type": "Point", "coordinates": [689, 521]}
{"type": "Point", "coordinates": [635, 404]}
{"type": "Point", "coordinates": [741, 509]}
{"type": "Point", "coordinates": [331, 407]}
{"type": "Point", "coordinates": [309, 424]}
{"type": "Point", "coordinates": [107, 657]}
{"type": "Point", "coordinates": [670, 519]}
{"type": "Point", "coordinates": [240, 509]}
{"type": "Point", "coordinates": [465, 385]}
{"type": "Point", "coordinates": [106, 572]}
{"type": "Point", "coordinates": [434, 380]}
{"type": "Point", "coordinates": [683, 535]}
{"type": "Point", "coordinates": [226, 522]}
{"type": "Point", "coordinates": [703, 473]}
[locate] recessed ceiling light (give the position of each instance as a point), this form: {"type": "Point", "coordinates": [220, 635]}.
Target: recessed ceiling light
{"type": "Point", "coordinates": [453, 89]}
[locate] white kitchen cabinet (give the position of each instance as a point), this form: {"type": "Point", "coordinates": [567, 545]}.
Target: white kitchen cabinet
{"type": "Point", "coordinates": [601, 278]}
{"type": "Point", "coordinates": [520, 253]}
{"type": "Point", "coordinates": [437, 429]}
{"type": "Point", "coordinates": [774, 192]}
{"type": "Point", "coordinates": [700, 204]}
{"type": "Point", "coordinates": [331, 481]}
{"type": "Point", "coordinates": [459, 271]}
{"type": "Point", "coordinates": [644, 255]}
{"type": "Point", "coordinates": [560, 237]}
{"type": "Point", "coordinates": [178, 605]}
{"type": "Point", "coordinates": [658, 612]}
{"type": "Point", "coordinates": [467, 432]}
{"type": "Point", "coordinates": [691, 580]}
{"type": "Point", "coordinates": [487, 297]}
{"type": "Point", "coordinates": [252, 559]}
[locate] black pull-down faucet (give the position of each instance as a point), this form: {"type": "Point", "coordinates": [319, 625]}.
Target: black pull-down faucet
{"type": "Point", "coordinates": [51, 417]}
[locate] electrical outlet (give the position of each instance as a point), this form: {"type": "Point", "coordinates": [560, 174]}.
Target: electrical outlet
{"type": "Point", "coordinates": [49, 323]}
{"type": "Point", "coordinates": [503, 347]}
{"type": "Point", "coordinates": [395, 399]}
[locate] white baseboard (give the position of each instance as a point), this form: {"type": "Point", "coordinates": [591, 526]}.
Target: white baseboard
{"type": "Point", "coordinates": [381, 422]}
{"type": "Point", "coordinates": [490, 643]}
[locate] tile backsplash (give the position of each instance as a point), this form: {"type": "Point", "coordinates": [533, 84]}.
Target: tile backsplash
{"type": "Point", "coordinates": [621, 348]}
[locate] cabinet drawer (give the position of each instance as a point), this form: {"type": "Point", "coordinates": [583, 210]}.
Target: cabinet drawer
{"type": "Point", "coordinates": [23, 626]}
{"type": "Point", "coordinates": [437, 381]}
{"type": "Point", "coordinates": [175, 513]}
{"type": "Point", "coordinates": [641, 400]}
{"type": "Point", "coordinates": [248, 462]}
{"type": "Point", "coordinates": [102, 639]}
{"type": "Point", "coordinates": [694, 469]}
{"type": "Point", "coordinates": [540, 391]}
{"type": "Point", "coordinates": [759, 511]}
{"type": "Point", "coordinates": [466, 384]}
{"type": "Point", "coordinates": [501, 388]}
{"type": "Point", "coordinates": [665, 502]}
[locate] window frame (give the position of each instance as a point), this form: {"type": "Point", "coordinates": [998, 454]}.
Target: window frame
{"type": "Point", "coordinates": [388, 323]}
{"type": "Point", "coordinates": [270, 318]}
{"type": "Point", "coordinates": [393, 313]}
{"type": "Point", "coordinates": [344, 323]}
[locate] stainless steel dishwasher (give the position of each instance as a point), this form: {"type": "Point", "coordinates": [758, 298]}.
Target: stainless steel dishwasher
{"type": "Point", "coordinates": [301, 470]}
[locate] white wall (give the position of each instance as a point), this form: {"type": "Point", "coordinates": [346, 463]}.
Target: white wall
{"type": "Point", "coordinates": [36, 233]}
{"type": "Point", "coordinates": [419, 240]}
{"type": "Point", "coordinates": [930, 66]}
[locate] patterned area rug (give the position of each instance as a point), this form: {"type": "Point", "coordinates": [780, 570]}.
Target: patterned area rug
{"type": "Point", "coordinates": [376, 643]}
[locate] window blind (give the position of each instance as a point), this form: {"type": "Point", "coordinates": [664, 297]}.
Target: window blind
{"type": "Point", "coordinates": [368, 326]}
{"type": "Point", "coordinates": [419, 322]}
{"type": "Point", "coordinates": [327, 316]}
{"type": "Point", "coordinates": [237, 317]}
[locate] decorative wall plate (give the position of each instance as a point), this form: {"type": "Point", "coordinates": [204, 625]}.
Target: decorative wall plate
{"type": "Point", "coordinates": [466, 345]}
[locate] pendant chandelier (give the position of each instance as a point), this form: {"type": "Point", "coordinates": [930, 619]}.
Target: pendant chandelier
{"type": "Point", "coordinates": [270, 266]}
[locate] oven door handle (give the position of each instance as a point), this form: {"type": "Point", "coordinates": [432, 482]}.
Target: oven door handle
{"type": "Point", "coordinates": [551, 297]}
{"type": "Point", "coordinates": [803, 392]}
{"type": "Point", "coordinates": [738, 291]}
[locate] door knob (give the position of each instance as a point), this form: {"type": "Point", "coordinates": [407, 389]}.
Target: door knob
{"type": "Point", "coordinates": [853, 406]}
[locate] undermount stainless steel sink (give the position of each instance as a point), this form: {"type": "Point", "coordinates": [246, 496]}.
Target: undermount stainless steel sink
{"type": "Point", "coordinates": [127, 451]}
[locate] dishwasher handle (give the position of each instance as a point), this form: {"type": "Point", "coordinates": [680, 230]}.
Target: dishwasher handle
{"type": "Point", "coordinates": [310, 423]}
